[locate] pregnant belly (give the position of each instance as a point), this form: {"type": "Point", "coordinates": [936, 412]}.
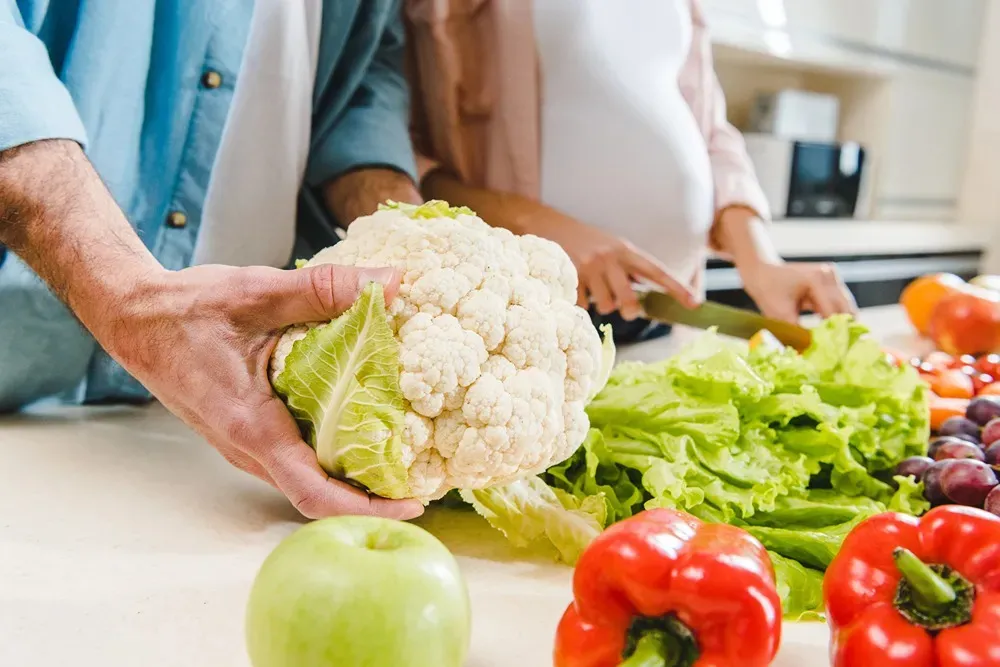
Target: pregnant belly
{"type": "Point", "coordinates": [639, 171]}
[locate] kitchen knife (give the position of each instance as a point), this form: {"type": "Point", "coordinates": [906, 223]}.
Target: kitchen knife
{"type": "Point", "coordinates": [728, 320]}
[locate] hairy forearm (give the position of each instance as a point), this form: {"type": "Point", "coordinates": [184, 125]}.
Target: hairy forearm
{"type": "Point", "coordinates": [57, 215]}
{"type": "Point", "coordinates": [743, 236]}
{"type": "Point", "coordinates": [358, 193]}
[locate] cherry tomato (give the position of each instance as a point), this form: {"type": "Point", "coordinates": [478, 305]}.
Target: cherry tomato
{"type": "Point", "coordinates": [939, 360]}
{"type": "Point", "coordinates": [953, 384]}
{"type": "Point", "coordinates": [990, 390]}
{"type": "Point", "coordinates": [989, 364]}
{"type": "Point", "coordinates": [981, 381]}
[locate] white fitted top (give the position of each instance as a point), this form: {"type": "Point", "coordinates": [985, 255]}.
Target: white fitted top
{"type": "Point", "coordinates": [621, 149]}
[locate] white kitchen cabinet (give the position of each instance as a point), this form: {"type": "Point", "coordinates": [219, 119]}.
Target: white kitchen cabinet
{"type": "Point", "coordinates": [923, 155]}
{"type": "Point", "coordinates": [938, 33]}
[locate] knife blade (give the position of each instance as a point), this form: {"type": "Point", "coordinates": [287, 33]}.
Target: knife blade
{"type": "Point", "coordinates": [730, 321]}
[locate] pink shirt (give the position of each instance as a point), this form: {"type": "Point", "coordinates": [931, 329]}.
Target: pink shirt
{"type": "Point", "coordinates": [475, 78]}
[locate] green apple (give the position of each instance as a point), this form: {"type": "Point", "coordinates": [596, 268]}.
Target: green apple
{"type": "Point", "coordinates": [359, 592]}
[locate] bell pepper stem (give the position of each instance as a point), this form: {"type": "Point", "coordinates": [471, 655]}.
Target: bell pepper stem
{"type": "Point", "coordinates": [650, 651]}
{"type": "Point", "coordinates": [930, 592]}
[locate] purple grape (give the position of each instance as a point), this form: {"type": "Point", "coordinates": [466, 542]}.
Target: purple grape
{"type": "Point", "coordinates": [993, 454]}
{"type": "Point", "coordinates": [958, 450]}
{"type": "Point", "coordinates": [915, 466]}
{"type": "Point", "coordinates": [991, 432]}
{"type": "Point", "coordinates": [992, 503]}
{"type": "Point", "coordinates": [960, 427]}
{"type": "Point", "coordinates": [967, 482]}
{"type": "Point", "coordinates": [932, 482]}
{"type": "Point", "coordinates": [937, 443]}
{"type": "Point", "coordinates": [968, 438]}
{"type": "Point", "coordinates": [982, 409]}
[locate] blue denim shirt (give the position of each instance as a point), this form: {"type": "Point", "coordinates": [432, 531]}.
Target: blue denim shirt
{"type": "Point", "coordinates": [146, 87]}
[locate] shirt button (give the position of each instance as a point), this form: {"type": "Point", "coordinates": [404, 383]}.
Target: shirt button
{"type": "Point", "coordinates": [177, 220]}
{"type": "Point", "coordinates": [211, 79]}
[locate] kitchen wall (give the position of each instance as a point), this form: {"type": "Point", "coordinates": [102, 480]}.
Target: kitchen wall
{"type": "Point", "coordinates": [979, 199]}
{"type": "Point", "coordinates": [905, 72]}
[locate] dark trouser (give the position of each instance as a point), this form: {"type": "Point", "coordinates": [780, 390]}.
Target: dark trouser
{"type": "Point", "coordinates": [634, 331]}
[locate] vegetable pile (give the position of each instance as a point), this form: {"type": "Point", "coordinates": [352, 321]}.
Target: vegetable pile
{"type": "Point", "coordinates": [962, 459]}
{"type": "Point", "coordinates": [798, 449]}
{"type": "Point", "coordinates": [960, 317]}
{"type": "Point", "coordinates": [483, 377]}
{"type": "Point", "coordinates": [477, 374]}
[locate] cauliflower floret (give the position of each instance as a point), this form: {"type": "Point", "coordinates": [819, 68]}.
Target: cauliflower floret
{"type": "Point", "coordinates": [583, 351]}
{"type": "Point", "coordinates": [437, 357]}
{"type": "Point", "coordinates": [548, 263]}
{"type": "Point", "coordinates": [485, 313]}
{"type": "Point", "coordinates": [495, 360]}
{"type": "Point", "coordinates": [531, 337]}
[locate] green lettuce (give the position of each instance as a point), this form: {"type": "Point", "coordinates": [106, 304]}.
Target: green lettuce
{"type": "Point", "coordinates": [794, 448]}
{"type": "Point", "coordinates": [428, 210]}
{"type": "Point", "coordinates": [529, 512]}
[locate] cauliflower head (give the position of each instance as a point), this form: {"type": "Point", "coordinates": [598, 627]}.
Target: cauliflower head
{"type": "Point", "coordinates": [475, 375]}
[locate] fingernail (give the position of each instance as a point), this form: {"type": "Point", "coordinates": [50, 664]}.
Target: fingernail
{"type": "Point", "coordinates": [384, 276]}
{"type": "Point", "coordinates": [409, 509]}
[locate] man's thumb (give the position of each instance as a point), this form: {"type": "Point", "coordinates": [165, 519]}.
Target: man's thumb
{"type": "Point", "coordinates": [322, 292]}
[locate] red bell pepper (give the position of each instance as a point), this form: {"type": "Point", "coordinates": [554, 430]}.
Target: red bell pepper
{"type": "Point", "coordinates": [907, 592]}
{"type": "Point", "coordinates": [664, 589]}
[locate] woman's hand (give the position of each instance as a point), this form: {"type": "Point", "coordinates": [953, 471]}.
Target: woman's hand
{"type": "Point", "coordinates": [783, 291]}
{"type": "Point", "coordinates": [608, 266]}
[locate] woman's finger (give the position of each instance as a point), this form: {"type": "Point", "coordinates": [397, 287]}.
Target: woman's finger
{"type": "Point", "coordinates": [600, 292]}
{"type": "Point", "coordinates": [784, 309]}
{"type": "Point", "coordinates": [822, 297]}
{"type": "Point", "coordinates": [622, 291]}
{"type": "Point", "coordinates": [639, 265]}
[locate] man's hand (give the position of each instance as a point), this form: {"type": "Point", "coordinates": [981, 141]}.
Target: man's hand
{"type": "Point", "coordinates": [781, 290]}
{"type": "Point", "coordinates": [608, 266]}
{"type": "Point", "coordinates": [199, 339]}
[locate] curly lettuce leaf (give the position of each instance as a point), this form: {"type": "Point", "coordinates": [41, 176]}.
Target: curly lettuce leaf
{"type": "Point", "coordinates": [341, 383]}
{"type": "Point", "coordinates": [592, 471]}
{"type": "Point", "coordinates": [909, 497]}
{"type": "Point", "coordinates": [528, 511]}
{"type": "Point", "coordinates": [799, 587]}
{"type": "Point", "coordinates": [793, 448]}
